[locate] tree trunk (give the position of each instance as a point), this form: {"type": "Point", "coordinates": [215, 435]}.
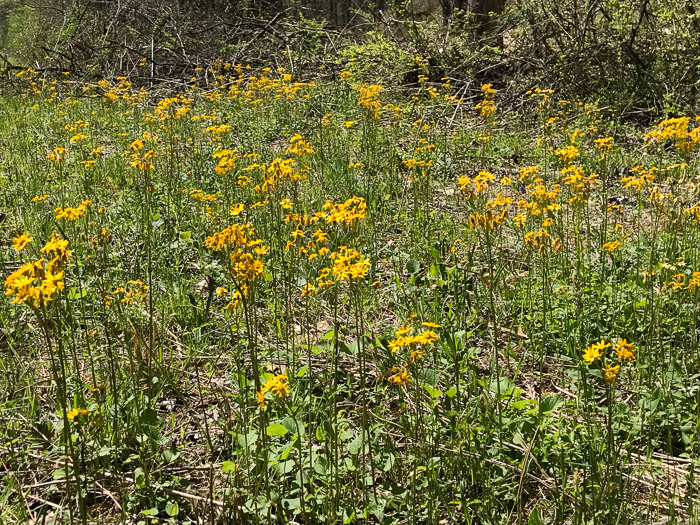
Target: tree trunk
{"type": "Point", "coordinates": [482, 8]}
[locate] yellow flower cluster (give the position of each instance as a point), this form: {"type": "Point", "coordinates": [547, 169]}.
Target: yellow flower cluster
{"type": "Point", "coordinates": [234, 235]}
{"type": "Point", "coordinates": [624, 351]}
{"type": "Point", "coordinates": [244, 267]}
{"type": "Point", "coordinates": [299, 147]}
{"type": "Point", "coordinates": [74, 413]}
{"type": "Point", "coordinates": [72, 127]}
{"type": "Point", "coordinates": [541, 239]}
{"type": "Point", "coordinates": [474, 186]}
{"type": "Point", "coordinates": [227, 160]}
{"type": "Point", "coordinates": [611, 246]}
{"type": "Point", "coordinates": [350, 211]}
{"type": "Point", "coordinates": [57, 155]}
{"type": "Point", "coordinates": [400, 376]}
{"type": "Point", "coordinates": [676, 130]}
{"type": "Point", "coordinates": [368, 97]}
{"type": "Point", "coordinates": [349, 264]}
{"type": "Point", "coordinates": [21, 241]}
{"type": "Point", "coordinates": [278, 385]}
{"type": "Point", "coordinates": [642, 177]}
{"type": "Point", "coordinates": [578, 182]}
{"type": "Point", "coordinates": [487, 107]}
{"type": "Point", "coordinates": [73, 214]}
{"type": "Point", "coordinates": [277, 172]}
{"type": "Point", "coordinates": [487, 221]}
{"type": "Point", "coordinates": [171, 108]}
{"type": "Point", "coordinates": [23, 284]}
{"type": "Point", "coordinates": [568, 154]}
{"type": "Point", "coordinates": [542, 96]}
{"type": "Point", "coordinates": [199, 195]}
{"type": "Point", "coordinates": [542, 198]}
{"type": "Point", "coordinates": [604, 145]}
{"type": "Point", "coordinates": [415, 343]}
{"type": "Point", "coordinates": [133, 291]}
{"type": "Point", "coordinates": [414, 340]}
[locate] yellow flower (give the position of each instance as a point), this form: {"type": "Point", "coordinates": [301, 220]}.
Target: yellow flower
{"type": "Point", "coordinates": [594, 351]}
{"type": "Point", "coordinates": [286, 204]}
{"type": "Point", "coordinates": [415, 355]}
{"type": "Point", "coordinates": [610, 372]}
{"type": "Point", "coordinates": [403, 330]}
{"type": "Point", "coordinates": [352, 210]}
{"type": "Point", "coordinates": [278, 384]}
{"type": "Point", "coordinates": [21, 241]}
{"type": "Point", "coordinates": [624, 350]}
{"type": "Point", "coordinates": [349, 264]}
{"type": "Point", "coordinates": [236, 209]}
{"type": "Point", "coordinates": [399, 376]}
{"type": "Point", "coordinates": [611, 246]}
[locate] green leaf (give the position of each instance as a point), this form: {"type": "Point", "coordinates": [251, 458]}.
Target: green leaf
{"type": "Point", "coordinates": [172, 509]}
{"type": "Point", "coordinates": [285, 453]}
{"type": "Point", "coordinates": [139, 477]}
{"type": "Point", "coordinates": [248, 440]}
{"type": "Point", "coordinates": [451, 392]}
{"type": "Point", "coordinates": [294, 426]}
{"type": "Point", "coordinates": [429, 376]}
{"type": "Point", "coordinates": [413, 267]}
{"type": "Point", "coordinates": [186, 236]}
{"type": "Point", "coordinates": [550, 403]}
{"type": "Point", "coordinates": [351, 348]}
{"type": "Point", "coordinates": [149, 417]}
{"type": "Point", "coordinates": [355, 444]}
{"type": "Point", "coordinates": [276, 430]}
{"type": "Point", "coordinates": [285, 467]}
{"type": "Point", "coordinates": [321, 465]}
{"type": "Point", "coordinates": [505, 384]}
{"type": "Point", "coordinates": [319, 434]}
{"type": "Point", "coordinates": [432, 391]}
{"type": "Point", "coordinates": [171, 454]}
{"type": "Point", "coordinates": [389, 462]}
{"type": "Point", "coordinates": [228, 467]}
{"type": "Point", "coordinates": [291, 503]}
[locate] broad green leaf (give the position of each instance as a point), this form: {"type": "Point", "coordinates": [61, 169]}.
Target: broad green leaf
{"type": "Point", "coordinates": [355, 444]}
{"type": "Point", "coordinates": [434, 392]}
{"type": "Point", "coordinates": [276, 430]}
{"type": "Point", "coordinates": [550, 403]}
{"type": "Point", "coordinates": [171, 454]}
{"type": "Point", "coordinates": [172, 509]}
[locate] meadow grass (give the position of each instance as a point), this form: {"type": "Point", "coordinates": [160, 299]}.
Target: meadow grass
{"type": "Point", "coordinates": [257, 300]}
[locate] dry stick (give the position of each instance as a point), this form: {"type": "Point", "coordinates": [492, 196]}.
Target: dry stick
{"type": "Point", "coordinates": [109, 495]}
{"type": "Point", "coordinates": [54, 505]}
